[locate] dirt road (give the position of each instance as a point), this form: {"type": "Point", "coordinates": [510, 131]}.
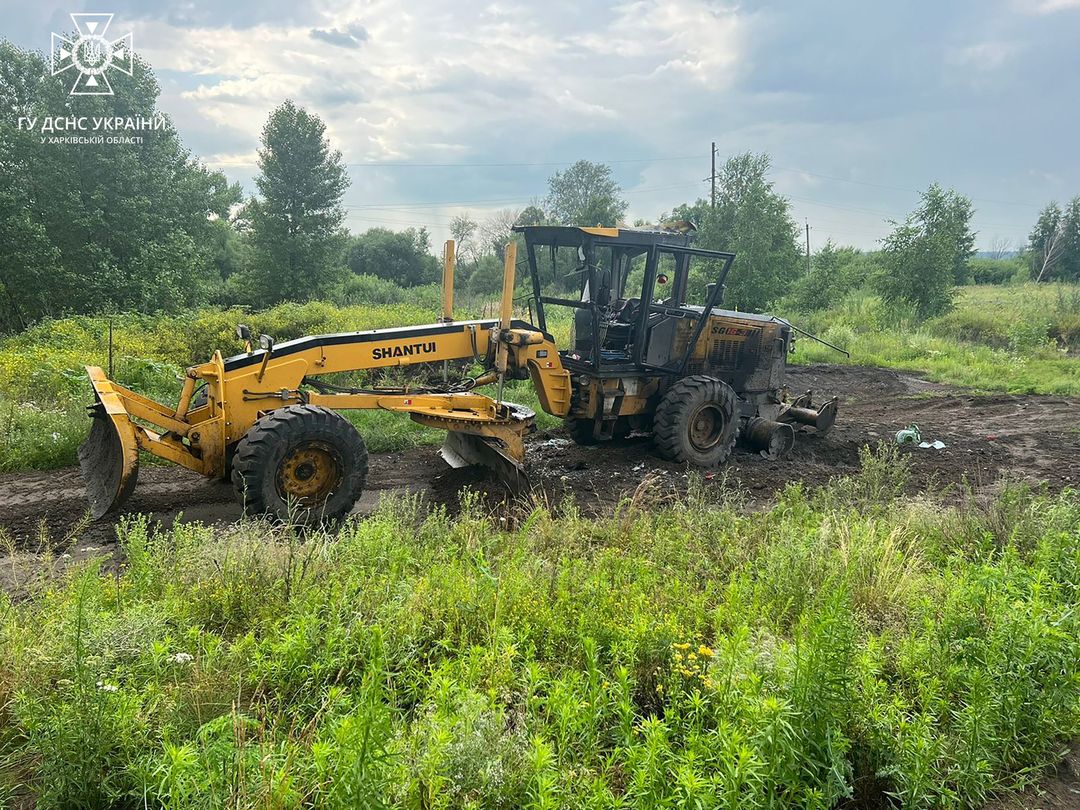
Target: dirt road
{"type": "Point", "coordinates": [1035, 438]}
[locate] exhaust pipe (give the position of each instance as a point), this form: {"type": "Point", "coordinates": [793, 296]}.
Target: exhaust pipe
{"type": "Point", "coordinates": [821, 419]}
{"type": "Point", "coordinates": [773, 440]}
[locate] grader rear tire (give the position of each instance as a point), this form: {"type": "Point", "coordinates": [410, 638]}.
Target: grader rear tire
{"type": "Point", "coordinates": [696, 422]}
{"type": "Point", "coordinates": [581, 431]}
{"type": "Point", "coordinates": [300, 464]}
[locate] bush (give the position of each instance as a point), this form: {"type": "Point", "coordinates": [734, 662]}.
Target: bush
{"type": "Point", "coordinates": [365, 289]}
{"type": "Point", "coordinates": [835, 273]}
{"type": "Point", "coordinates": [1014, 270]}
{"type": "Point", "coordinates": [677, 655]}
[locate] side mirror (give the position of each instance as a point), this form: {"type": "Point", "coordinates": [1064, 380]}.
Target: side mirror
{"type": "Point", "coordinates": [243, 332]}
{"type": "Point", "coordinates": [267, 343]}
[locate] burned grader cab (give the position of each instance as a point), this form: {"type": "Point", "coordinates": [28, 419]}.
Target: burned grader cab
{"type": "Point", "coordinates": [653, 349]}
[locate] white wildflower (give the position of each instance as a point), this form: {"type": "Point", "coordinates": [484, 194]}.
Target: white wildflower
{"type": "Point", "coordinates": [182, 658]}
{"type": "Point", "coordinates": [107, 687]}
{"type": "Point", "coordinates": [55, 437]}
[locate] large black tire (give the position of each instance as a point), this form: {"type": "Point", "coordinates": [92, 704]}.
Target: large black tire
{"type": "Point", "coordinates": [300, 464]}
{"type": "Point", "coordinates": [581, 431]}
{"type": "Point", "coordinates": [697, 422]}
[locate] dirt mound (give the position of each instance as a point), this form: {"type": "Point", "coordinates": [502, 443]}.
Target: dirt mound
{"type": "Point", "coordinates": [1030, 437]}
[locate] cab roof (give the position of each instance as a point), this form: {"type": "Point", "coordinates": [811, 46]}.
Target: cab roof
{"type": "Point", "coordinates": [572, 236]}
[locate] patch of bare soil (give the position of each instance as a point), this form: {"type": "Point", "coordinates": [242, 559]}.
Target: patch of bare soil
{"type": "Point", "coordinates": [1059, 788]}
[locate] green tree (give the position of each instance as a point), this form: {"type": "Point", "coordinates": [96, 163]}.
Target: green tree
{"type": "Point", "coordinates": [463, 231]}
{"type": "Point", "coordinates": [403, 257]}
{"type": "Point", "coordinates": [1054, 243]}
{"type": "Point", "coordinates": [754, 222]}
{"type": "Point", "coordinates": [835, 271]}
{"type": "Point", "coordinates": [1047, 242]}
{"type": "Point", "coordinates": [531, 215]}
{"type": "Point", "coordinates": [585, 194]}
{"type": "Point", "coordinates": [925, 254]}
{"type": "Point", "coordinates": [296, 221]}
{"type": "Point", "coordinates": [99, 226]}
{"type": "Point", "coordinates": [1070, 261]}
{"type": "Point", "coordinates": [948, 214]}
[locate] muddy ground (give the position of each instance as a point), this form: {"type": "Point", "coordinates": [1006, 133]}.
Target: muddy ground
{"type": "Point", "coordinates": [1036, 438]}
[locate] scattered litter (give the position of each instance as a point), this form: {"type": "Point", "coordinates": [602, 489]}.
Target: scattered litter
{"type": "Point", "coordinates": [90, 548]}
{"type": "Point", "coordinates": [937, 444]}
{"type": "Point", "coordinates": [639, 467]}
{"type": "Point", "coordinates": [554, 443]}
{"type": "Point", "coordinates": [909, 435]}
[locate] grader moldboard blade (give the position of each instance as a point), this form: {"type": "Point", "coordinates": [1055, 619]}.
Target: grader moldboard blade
{"type": "Point", "coordinates": [109, 458]}
{"type": "Point", "coordinates": [465, 449]}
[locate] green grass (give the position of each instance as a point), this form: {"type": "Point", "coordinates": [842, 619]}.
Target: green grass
{"type": "Point", "coordinates": [1022, 339]}
{"type": "Point", "coordinates": [842, 643]}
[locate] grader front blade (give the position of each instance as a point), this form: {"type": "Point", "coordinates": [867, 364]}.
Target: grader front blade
{"type": "Point", "coordinates": [496, 444]}
{"type": "Point", "coordinates": [109, 458]}
{"type": "Point", "coordinates": [467, 449]}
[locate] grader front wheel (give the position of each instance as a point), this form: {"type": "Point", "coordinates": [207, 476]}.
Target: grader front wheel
{"type": "Point", "coordinates": [300, 464]}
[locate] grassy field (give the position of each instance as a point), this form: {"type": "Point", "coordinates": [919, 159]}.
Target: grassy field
{"type": "Point", "coordinates": [847, 643]}
{"type": "Point", "coordinates": [1022, 339]}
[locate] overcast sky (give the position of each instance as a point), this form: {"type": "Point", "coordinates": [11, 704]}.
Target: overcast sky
{"type": "Point", "coordinates": [443, 107]}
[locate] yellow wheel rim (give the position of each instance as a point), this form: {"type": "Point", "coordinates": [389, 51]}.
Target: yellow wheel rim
{"type": "Point", "coordinates": [309, 474]}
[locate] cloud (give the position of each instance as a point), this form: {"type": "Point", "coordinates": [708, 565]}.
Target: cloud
{"type": "Point", "coordinates": [1046, 6]}
{"type": "Point", "coordinates": [350, 37]}
{"type": "Point", "coordinates": [985, 56]}
{"type": "Point", "coordinates": [872, 93]}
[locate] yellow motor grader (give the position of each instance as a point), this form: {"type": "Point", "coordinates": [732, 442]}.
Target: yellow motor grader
{"type": "Point", "coordinates": [643, 355]}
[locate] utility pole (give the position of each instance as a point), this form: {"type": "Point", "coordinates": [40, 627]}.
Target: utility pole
{"type": "Point", "coordinates": [807, 246]}
{"type": "Point", "coordinates": [712, 175]}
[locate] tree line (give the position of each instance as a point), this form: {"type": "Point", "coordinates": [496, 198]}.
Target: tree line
{"type": "Point", "coordinates": [148, 227]}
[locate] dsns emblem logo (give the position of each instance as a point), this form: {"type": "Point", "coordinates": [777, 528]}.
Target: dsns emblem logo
{"type": "Point", "coordinates": [91, 54]}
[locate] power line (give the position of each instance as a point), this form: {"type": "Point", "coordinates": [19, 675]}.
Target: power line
{"type": "Point", "coordinates": [873, 212]}
{"type": "Point", "coordinates": [495, 201]}
{"type": "Point", "coordinates": [895, 188]}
